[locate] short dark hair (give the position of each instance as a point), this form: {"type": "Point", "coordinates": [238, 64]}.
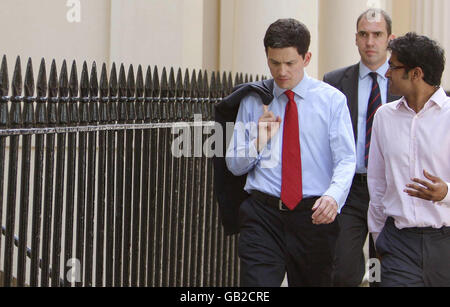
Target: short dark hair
{"type": "Point", "coordinates": [414, 50]}
{"type": "Point", "coordinates": [288, 32]}
{"type": "Point", "coordinates": [373, 13]}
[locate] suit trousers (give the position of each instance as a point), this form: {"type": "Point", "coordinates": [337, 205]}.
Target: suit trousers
{"type": "Point", "coordinates": [273, 242]}
{"type": "Point", "coordinates": [349, 266]}
{"type": "Point", "coordinates": [414, 257]}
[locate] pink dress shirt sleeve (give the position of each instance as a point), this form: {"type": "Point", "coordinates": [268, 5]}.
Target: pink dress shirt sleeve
{"type": "Point", "coordinates": [376, 180]}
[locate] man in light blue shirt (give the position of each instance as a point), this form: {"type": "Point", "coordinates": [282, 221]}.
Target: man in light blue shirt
{"type": "Point", "coordinates": [356, 82]}
{"type": "Point", "coordinates": [277, 237]}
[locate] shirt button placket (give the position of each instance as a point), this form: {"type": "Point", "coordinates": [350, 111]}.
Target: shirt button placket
{"type": "Point", "coordinates": [413, 159]}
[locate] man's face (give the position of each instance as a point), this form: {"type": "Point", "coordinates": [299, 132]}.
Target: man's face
{"type": "Point", "coordinates": [372, 41]}
{"type": "Point", "coordinates": [398, 77]}
{"type": "Point", "coordinates": [287, 66]}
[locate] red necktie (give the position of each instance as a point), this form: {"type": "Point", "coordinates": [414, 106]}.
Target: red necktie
{"type": "Point", "coordinates": [291, 168]}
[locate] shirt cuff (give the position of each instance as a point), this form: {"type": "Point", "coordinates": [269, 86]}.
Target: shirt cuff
{"type": "Point", "coordinates": [446, 200]}
{"type": "Point", "coordinates": [327, 193]}
{"type": "Point", "coordinates": [333, 193]}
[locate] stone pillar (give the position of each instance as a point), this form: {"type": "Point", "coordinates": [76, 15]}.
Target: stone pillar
{"type": "Point", "coordinates": [337, 46]}
{"type": "Point", "coordinates": [401, 16]}
{"type": "Point", "coordinates": [54, 29]}
{"type": "Point", "coordinates": [243, 24]}
{"type": "Point", "coordinates": [177, 33]}
{"type": "Point", "coordinates": [430, 18]}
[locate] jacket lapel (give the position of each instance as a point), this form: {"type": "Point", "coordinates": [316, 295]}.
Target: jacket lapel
{"type": "Point", "coordinates": [349, 86]}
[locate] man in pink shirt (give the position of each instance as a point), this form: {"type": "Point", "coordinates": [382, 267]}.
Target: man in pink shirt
{"type": "Point", "coordinates": [409, 169]}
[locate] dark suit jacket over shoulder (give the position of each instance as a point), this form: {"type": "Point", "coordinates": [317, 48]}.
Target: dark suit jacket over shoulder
{"type": "Point", "coordinates": [229, 189]}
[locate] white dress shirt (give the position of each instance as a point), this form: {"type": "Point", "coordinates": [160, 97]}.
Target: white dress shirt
{"type": "Point", "coordinates": [404, 143]}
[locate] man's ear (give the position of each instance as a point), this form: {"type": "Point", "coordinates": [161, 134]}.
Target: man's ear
{"type": "Point", "coordinates": [307, 58]}
{"type": "Point", "coordinates": [391, 37]}
{"type": "Point", "coordinates": [417, 73]}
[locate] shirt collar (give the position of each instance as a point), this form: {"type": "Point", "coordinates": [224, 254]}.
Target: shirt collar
{"type": "Point", "coordinates": [401, 102]}
{"type": "Point", "coordinates": [439, 98]}
{"type": "Point", "coordinates": [364, 71]}
{"type": "Point", "coordinates": [300, 89]}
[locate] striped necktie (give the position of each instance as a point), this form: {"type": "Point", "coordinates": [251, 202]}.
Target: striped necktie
{"type": "Point", "coordinates": [374, 104]}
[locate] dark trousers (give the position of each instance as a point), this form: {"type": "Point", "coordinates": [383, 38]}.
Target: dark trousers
{"type": "Point", "coordinates": [349, 264]}
{"type": "Point", "coordinates": [273, 242]}
{"type": "Point", "coordinates": [414, 257]}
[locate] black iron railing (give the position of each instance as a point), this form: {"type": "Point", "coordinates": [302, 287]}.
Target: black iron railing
{"type": "Point", "coordinates": [90, 191]}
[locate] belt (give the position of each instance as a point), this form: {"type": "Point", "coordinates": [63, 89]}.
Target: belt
{"type": "Point", "coordinates": [421, 230]}
{"type": "Point", "coordinates": [360, 178]}
{"type": "Point", "coordinates": [275, 202]}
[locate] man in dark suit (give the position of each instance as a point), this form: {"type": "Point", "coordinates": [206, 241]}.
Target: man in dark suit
{"type": "Point", "coordinates": [366, 88]}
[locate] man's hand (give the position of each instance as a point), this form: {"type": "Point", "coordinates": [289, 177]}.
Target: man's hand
{"type": "Point", "coordinates": [325, 210]}
{"type": "Point", "coordinates": [268, 126]}
{"type": "Point", "coordinates": [436, 190]}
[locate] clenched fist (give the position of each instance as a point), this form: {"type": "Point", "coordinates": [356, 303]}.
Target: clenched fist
{"type": "Point", "coordinates": [268, 126]}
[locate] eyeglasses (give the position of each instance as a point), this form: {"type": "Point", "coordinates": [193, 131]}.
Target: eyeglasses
{"type": "Point", "coordinates": [394, 67]}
